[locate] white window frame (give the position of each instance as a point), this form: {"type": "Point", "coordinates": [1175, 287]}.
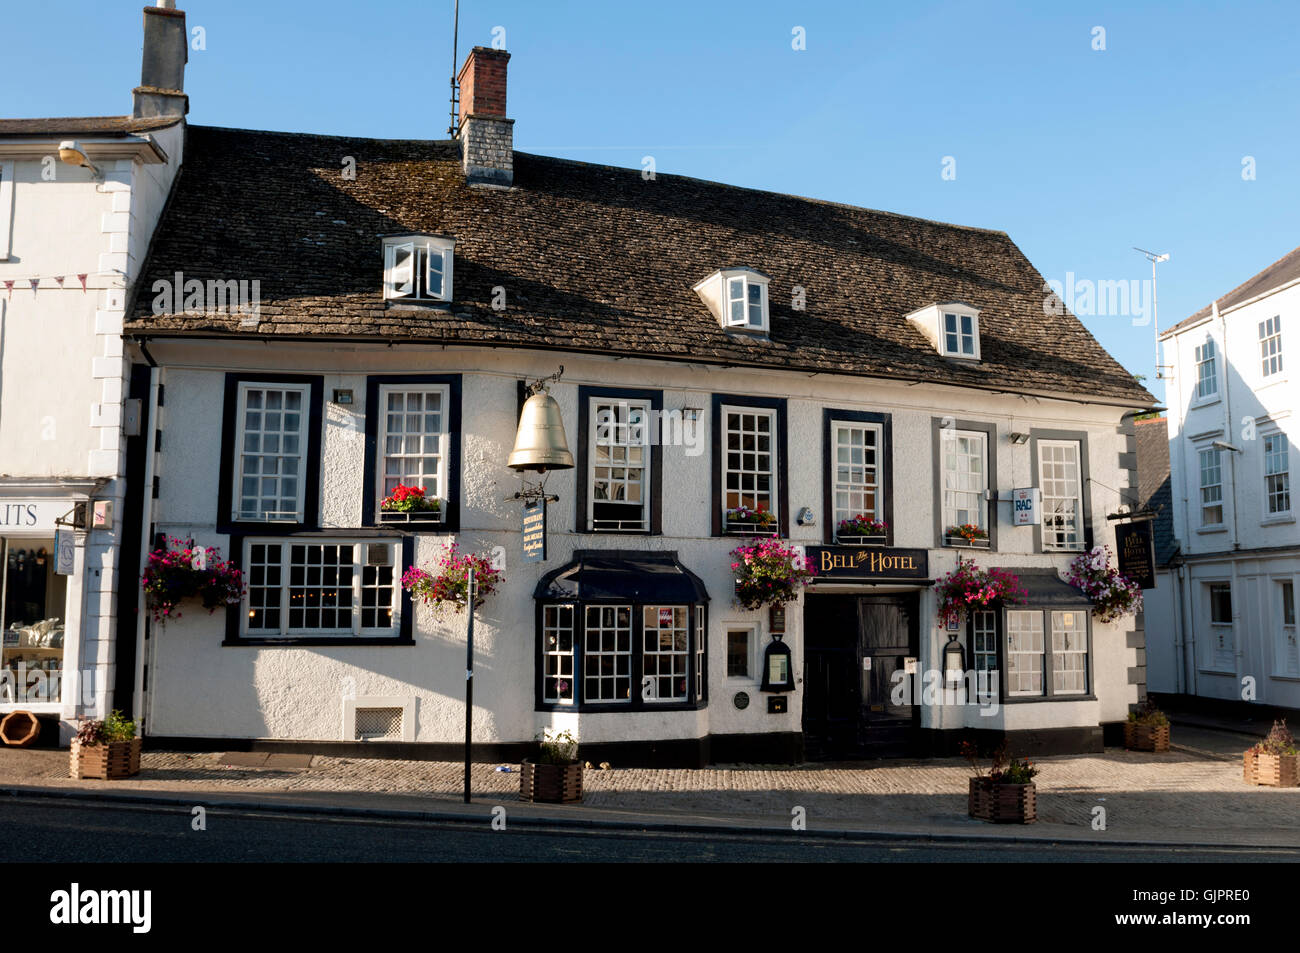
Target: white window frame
{"type": "Point", "coordinates": [304, 414]}
{"type": "Point", "coordinates": [621, 405]}
{"type": "Point", "coordinates": [444, 438]}
{"type": "Point", "coordinates": [751, 641]}
{"type": "Point", "coordinates": [961, 334]}
{"type": "Point", "coordinates": [1205, 488]}
{"type": "Point", "coordinates": [673, 655]}
{"type": "Point", "coordinates": [413, 280]}
{"type": "Point", "coordinates": [1270, 346]}
{"type": "Point", "coordinates": [555, 611]}
{"type": "Point", "coordinates": [1060, 651]}
{"type": "Point", "coordinates": [1014, 676]}
{"type": "Point", "coordinates": [746, 280]}
{"type": "Point", "coordinates": [588, 653]}
{"type": "Point", "coordinates": [701, 654]}
{"type": "Point", "coordinates": [774, 463]}
{"type": "Point", "coordinates": [360, 559]}
{"type": "Point", "coordinates": [1051, 502]}
{"type": "Point", "coordinates": [984, 645]}
{"type": "Point", "coordinates": [877, 488]}
{"type": "Point", "coordinates": [6, 206]}
{"type": "Point", "coordinates": [1275, 474]}
{"type": "Point", "coordinates": [947, 443]}
{"type": "Point", "coordinates": [1205, 360]}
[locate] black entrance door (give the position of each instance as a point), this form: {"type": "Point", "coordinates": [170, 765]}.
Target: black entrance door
{"type": "Point", "coordinates": [856, 648]}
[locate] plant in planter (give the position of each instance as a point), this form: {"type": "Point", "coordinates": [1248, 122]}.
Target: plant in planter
{"type": "Point", "coordinates": [1113, 596]}
{"type": "Point", "coordinates": [968, 586]}
{"type": "Point", "coordinates": [769, 572]}
{"type": "Point", "coordinates": [185, 571]}
{"type": "Point", "coordinates": [745, 519]}
{"type": "Point", "coordinates": [407, 503]}
{"type": "Point", "coordinates": [447, 585]}
{"type": "Point", "coordinates": [1007, 794]}
{"type": "Point", "coordinates": [1275, 761]}
{"type": "Point", "coordinates": [967, 534]}
{"type": "Point", "coordinates": [1147, 729]}
{"type": "Point", "coordinates": [556, 775]}
{"type": "Point", "coordinates": [106, 749]}
{"type": "Point", "coordinates": [862, 530]}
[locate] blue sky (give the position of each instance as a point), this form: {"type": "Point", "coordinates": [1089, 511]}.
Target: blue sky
{"type": "Point", "coordinates": [1078, 153]}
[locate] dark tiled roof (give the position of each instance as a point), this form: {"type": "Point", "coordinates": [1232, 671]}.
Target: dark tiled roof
{"type": "Point", "coordinates": [1285, 269]}
{"type": "Point", "coordinates": [1154, 487]}
{"type": "Point", "coordinates": [595, 258]}
{"type": "Point", "coordinates": [83, 126]}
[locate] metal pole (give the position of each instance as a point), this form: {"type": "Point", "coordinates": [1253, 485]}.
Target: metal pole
{"type": "Point", "coordinates": [469, 673]}
{"type": "Point", "coordinates": [455, 38]}
{"type": "Point", "coordinates": [1155, 316]}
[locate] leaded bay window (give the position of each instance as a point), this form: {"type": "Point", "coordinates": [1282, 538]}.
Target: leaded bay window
{"type": "Point", "coordinates": [1024, 652]}
{"type": "Point", "coordinates": [665, 653]}
{"type": "Point", "coordinates": [271, 452]}
{"type": "Point", "coordinates": [418, 268]}
{"type": "Point", "coordinates": [965, 478]}
{"type": "Point", "coordinates": [1270, 346]}
{"type": "Point", "coordinates": [607, 654]}
{"type": "Point", "coordinates": [1060, 480]}
{"type": "Point", "coordinates": [557, 653]}
{"type": "Point", "coordinates": [413, 447]}
{"type": "Point", "coordinates": [857, 471]}
{"type": "Point", "coordinates": [1277, 476]}
{"type": "Point", "coordinates": [749, 464]}
{"type": "Point", "coordinates": [1211, 486]}
{"type": "Point", "coordinates": [321, 588]}
{"type": "Point", "coordinates": [619, 465]}
{"type": "Point", "coordinates": [1207, 377]}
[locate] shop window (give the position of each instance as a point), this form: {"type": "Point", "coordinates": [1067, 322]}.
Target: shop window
{"type": "Point", "coordinates": [33, 605]}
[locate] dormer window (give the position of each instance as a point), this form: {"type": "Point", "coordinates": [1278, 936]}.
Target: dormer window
{"type": "Point", "coordinates": [738, 299]}
{"type": "Point", "coordinates": [418, 268]}
{"type": "Point", "coordinates": [952, 328]}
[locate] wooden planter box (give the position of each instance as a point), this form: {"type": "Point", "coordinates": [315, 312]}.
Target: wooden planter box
{"type": "Point", "coordinates": [117, 759]}
{"type": "Point", "coordinates": [1003, 803]}
{"type": "Point", "coordinates": [553, 783]}
{"type": "Point", "coordinates": [1275, 770]}
{"type": "Point", "coordinates": [1146, 737]}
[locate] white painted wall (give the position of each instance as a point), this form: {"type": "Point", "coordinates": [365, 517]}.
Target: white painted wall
{"type": "Point", "coordinates": [199, 687]}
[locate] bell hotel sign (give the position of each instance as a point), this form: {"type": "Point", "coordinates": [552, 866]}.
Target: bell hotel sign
{"type": "Point", "coordinates": [852, 562]}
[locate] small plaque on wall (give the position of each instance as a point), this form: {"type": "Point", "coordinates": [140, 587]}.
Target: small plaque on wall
{"type": "Point", "coordinates": [777, 705]}
{"type": "Point", "coordinates": [776, 617]}
{"type": "Point", "coordinates": [740, 700]}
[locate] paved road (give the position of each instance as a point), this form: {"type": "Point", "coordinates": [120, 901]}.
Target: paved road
{"type": "Point", "coordinates": [82, 832]}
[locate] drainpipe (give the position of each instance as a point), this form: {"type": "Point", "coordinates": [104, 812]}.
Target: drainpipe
{"type": "Point", "coordinates": [146, 542]}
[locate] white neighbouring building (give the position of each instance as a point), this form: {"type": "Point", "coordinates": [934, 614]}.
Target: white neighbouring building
{"type": "Point", "coordinates": [79, 199]}
{"type": "Point", "coordinates": [822, 360]}
{"type": "Point", "coordinates": [1222, 623]}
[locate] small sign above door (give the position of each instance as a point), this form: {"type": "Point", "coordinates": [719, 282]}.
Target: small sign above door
{"type": "Point", "coordinates": [860, 564]}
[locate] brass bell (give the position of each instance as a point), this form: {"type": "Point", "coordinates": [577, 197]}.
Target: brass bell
{"type": "Point", "coordinates": [540, 444]}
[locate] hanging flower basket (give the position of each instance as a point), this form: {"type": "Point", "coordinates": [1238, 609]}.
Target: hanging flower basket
{"type": "Point", "coordinates": [969, 587]}
{"type": "Point", "coordinates": [407, 504]}
{"type": "Point", "coordinates": [184, 571]}
{"type": "Point", "coordinates": [862, 530]}
{"type": "Point", "coordinates": [447, 585]}
{"type": "Point", "coordinates": [745, 521]}
{"type": "Point", "coordinates": [769, 572]}
{"type": "Point", "coordinates": [1113, 596]}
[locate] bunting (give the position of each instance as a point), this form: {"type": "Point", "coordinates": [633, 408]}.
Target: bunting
{"type": "Point", "coordinates": [59, 280]}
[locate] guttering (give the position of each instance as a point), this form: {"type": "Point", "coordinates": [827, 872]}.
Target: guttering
{"type": "Point", "coordinates": [144, 148]}
{"type": "Point", "coordinates": [1064, 396]}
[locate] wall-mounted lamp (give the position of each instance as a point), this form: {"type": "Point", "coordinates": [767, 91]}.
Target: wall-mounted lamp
{"type": "Point", "coordinates": [1018, 438]}
{"type": "Point", "coordinates": [73, 153]}
{"type": "Point", "coordinates": [1221, 445]}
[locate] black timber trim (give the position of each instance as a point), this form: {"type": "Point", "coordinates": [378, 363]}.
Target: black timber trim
{"type": "Point", "coordinates": [225, 523]}
{"type": "Point", "coordinates": [884, 465]}
{"type": "Point", "coordinates": [777, 404]}
{"type": "Point", "coordinates": [405, 633]}
{"type": "Point", "coordinates": [581, 509]}
{"type": "Point", "coordinates": [450, 522]}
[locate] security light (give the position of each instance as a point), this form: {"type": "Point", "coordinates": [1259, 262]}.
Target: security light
{"type": "Point", "coordinates": [1220, 445]}
{"type": "Point", "coordinates": [73, 153]}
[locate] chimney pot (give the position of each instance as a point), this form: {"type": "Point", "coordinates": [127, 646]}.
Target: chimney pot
{"type": "Point", "coordinates": [486, 135]}
{"type": "Point", "coordinates": [162, 70]}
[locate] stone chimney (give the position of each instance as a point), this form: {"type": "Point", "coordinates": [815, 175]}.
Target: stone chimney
{"type": "Point", "coordinates": [487, 140]}
{"type": "Point", "coordinates": [161, 92]}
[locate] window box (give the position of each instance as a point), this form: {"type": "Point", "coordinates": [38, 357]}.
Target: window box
{"type": "Point", "coordinates": [858, 539]}
{"type": "Point", "coordinates": [752, 529]}
{"type": "Point", "coordinates": [415, 516]}
{"type": "Point", "coordinates": [1001, 803]}
{"type": "Point", "coordinates": [961, 542]}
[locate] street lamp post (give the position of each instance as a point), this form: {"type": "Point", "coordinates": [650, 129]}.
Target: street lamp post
{"type": "Point", "coordinates": [469, 673]}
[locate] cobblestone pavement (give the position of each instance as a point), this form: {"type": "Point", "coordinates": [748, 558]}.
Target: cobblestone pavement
{"type": "Point", "coordinates": [1177, 796]}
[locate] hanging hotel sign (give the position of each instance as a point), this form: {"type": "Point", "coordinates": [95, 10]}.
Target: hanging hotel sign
{"type": "Point", "coordinates": [534, 531]}
{"type": "Point", "coordinates": [859, 564]}
{"type": "Point", "coordinates": [1137, 554]}
{"type": "Point", "coordinates": [1025, 506]}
